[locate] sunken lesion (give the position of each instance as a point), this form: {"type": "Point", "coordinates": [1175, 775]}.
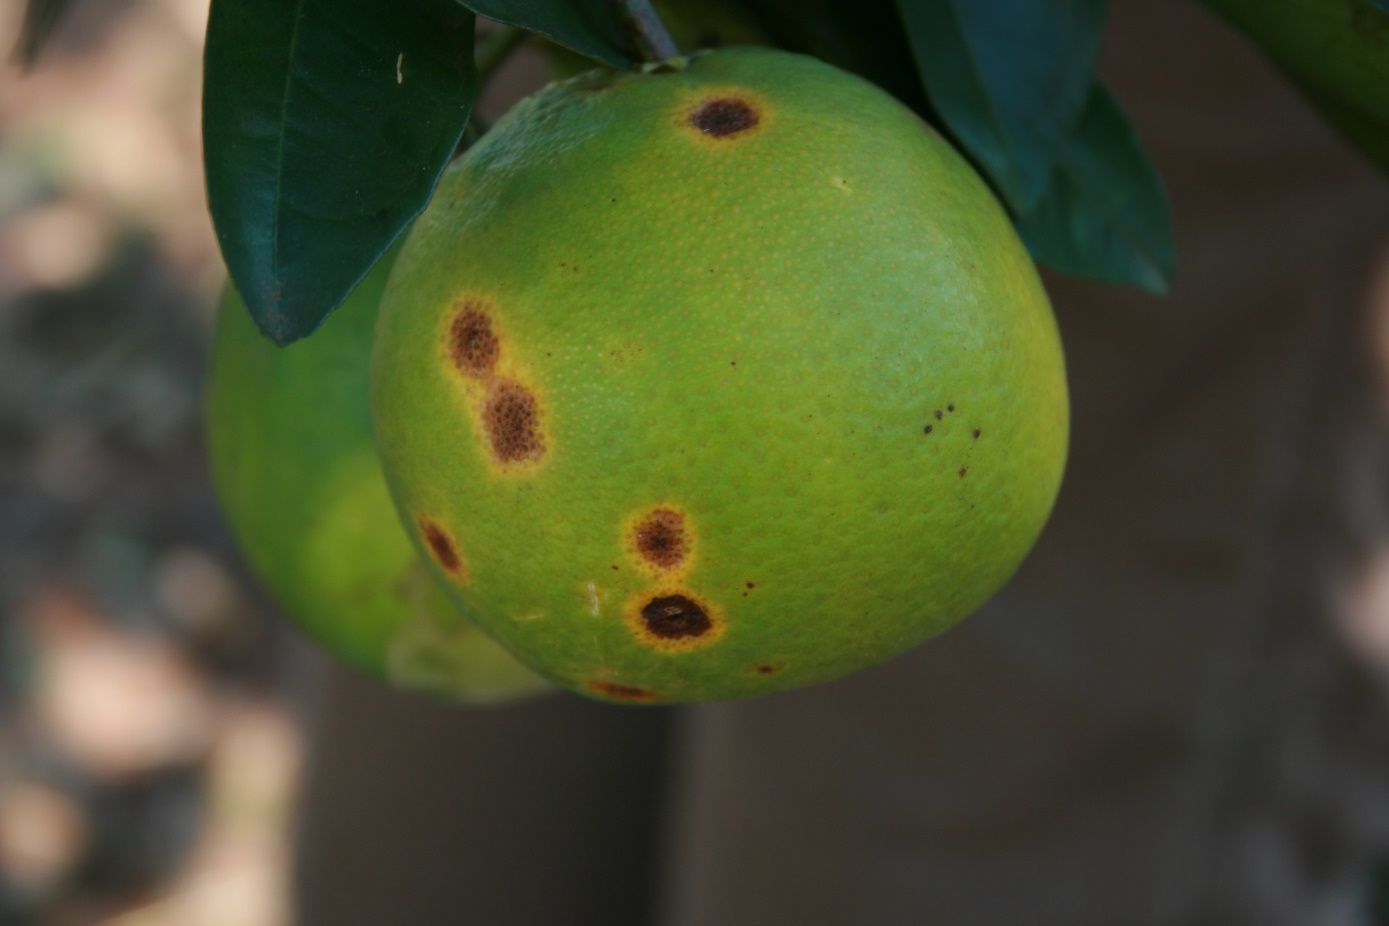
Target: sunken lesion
{"type": "Point", "coordinates": [511, 416]}
{"type": "Point", "coordinates": [675, 617]}
{"type": "Point", "coordinates": [442, 547]}
{"type": "Point", "coordinates": [674, 620]}
{"type": "Point", "coordinates": [617, 691]}
{"type": "Point", "coordinates": [726, 116]}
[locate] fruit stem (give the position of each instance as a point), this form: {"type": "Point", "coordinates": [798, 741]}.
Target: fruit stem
{"type": "Point", "coordinates": [652, 38]}
{"type": "Point", "coordinates": [495, 47]}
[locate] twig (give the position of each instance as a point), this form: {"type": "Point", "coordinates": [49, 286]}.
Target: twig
{"type": "Point", "coordinates": [652, 38]}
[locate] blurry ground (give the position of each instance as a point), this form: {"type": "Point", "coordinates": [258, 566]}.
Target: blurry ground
{"type": "Point", "coordinates": [147, 752]}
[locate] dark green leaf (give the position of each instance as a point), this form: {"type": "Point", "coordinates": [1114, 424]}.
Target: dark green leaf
{"type": "Point", "coordinates": [325, 127]}
{"type": "Point", "coordinates": [1104, 213]}
{"type": "Point", "coordinates": [1008, 77]}
{"type": "Point", "coordinates": [40, 19]}
{"type": "Point", "coordinates": [864, 37]}
{"type": "Point", "coordinates": [589, 27]}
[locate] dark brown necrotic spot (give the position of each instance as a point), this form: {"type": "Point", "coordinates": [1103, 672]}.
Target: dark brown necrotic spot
{"type": "Point", "coordinates": [660, 538]}
{"type": "Point", "coordinates": [441, 547]}
{"type": "Point", "coordinates": [472, 343]}
{"type": "Point", "coordinates": [622, 692]}
{"type": "Point", "coordinates": [767, 669]}
{"type": "Point", "coordinates": [675, 617]}
{"type": "Point", "coordinates": [723, 117]}
{"type": "Point", "coordinates": [512, 418]}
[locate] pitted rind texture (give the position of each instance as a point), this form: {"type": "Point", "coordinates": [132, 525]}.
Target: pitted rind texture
{"type": "Point", "coordinates": [511, 418]}
{"type": "Point", "coordinates": [661, 541]}
{"type": "Point", "coordinates": [473, 344]}
{"type": "Point", "coordinates": [814, 337]}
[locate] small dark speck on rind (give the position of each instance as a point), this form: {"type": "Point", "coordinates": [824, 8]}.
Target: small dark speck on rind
{"type": "Point", "coordinates": [950, 407]}
{"type": "Point", "coordinates": [927, 430]}
{"type": "Point", "coordinates": [963, 471]}
{"type": "Point", "coordinates": [977, 432]}
{"type": "Point", "coordinates": [939, 414]}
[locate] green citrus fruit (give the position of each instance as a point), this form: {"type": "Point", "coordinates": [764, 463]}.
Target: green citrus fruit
{"type": "Point", "coordinates": [1336, 51]}
{"type": "Point", "coordinates": [720, 379]}
{"type": "Point", "coordinates": [295, 468]}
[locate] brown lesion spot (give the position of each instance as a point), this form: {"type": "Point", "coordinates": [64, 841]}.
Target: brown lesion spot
{"type": "Point", "coordinates": [619, 692]}
{"type": "Point", "coordinates": [724, 117]}
{"type": "Point", "coordinates": [473, 344]}
{"type": "Point", "coordinates": [674, 620]}
{"type": "Point", "coordinates": [675, 617]}
{"type": "Point", "coordinates": [443, 548]}
{"type": "Point", "coordinates": [660, 538]}
{"type": "Point", "coordinates": [511, 415]}
{"type": "Point", "coordinates": [767, 668]}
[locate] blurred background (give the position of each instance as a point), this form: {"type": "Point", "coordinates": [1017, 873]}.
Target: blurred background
{"type": "Point", "coordinates": [149, 728]}
{"type": "Point", "coordinates": [169, 749]}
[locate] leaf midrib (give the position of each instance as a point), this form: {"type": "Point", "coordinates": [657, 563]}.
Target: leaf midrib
{"type": "Point", "coordinates": [282, 128]}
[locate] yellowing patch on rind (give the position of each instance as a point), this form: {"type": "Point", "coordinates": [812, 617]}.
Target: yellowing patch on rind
{"type": "Point", "coordinates": [673, 620]}
{"type": "Point", "coordinates": [506, 412]}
